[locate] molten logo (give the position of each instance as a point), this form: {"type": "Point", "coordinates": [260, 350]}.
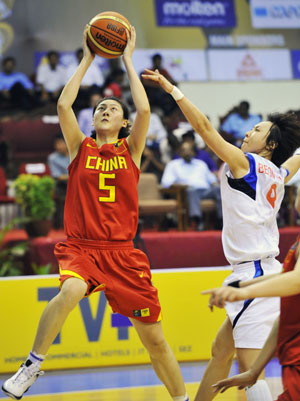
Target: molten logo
{"type": "Point", "coordinates": [110, 43]}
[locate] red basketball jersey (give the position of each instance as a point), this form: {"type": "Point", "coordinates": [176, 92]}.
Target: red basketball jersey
{"type": "Point", "coordinates": [102, 197]}
{"type": "Point", "coordinates": [288, 345]}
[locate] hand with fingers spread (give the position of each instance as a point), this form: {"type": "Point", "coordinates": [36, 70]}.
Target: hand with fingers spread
{"type": "Point", "coordinates": [155, 76]}
{"type": "Point", "coordinates": [218, 296]}
{"type": "Point", "coordinates": [130, 46]}
{"type": "Point", "coordinates": [242, 380]}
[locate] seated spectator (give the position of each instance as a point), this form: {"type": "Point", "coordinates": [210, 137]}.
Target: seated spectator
{"type": "Point", "coordinates": [151, 163]}
{"type": "Point", "coordinates": [156, 131]}
{"type": "Point", "coordinates": [238, 123]}
{"type": "Point", "coordinates": [113, 83]}
{"type": "Point", "coordinates": [85, 116]}
{"type": "Point", "coordinates": [201, 182]}
{"type": "Point", "coordinates": [16, 89]}
{"type": "Point", "coordinates": [50, 77]}
{"type": "Point", "coordinates": [92, 81]}
{"type": "Point", "coordinates": [157, 97]}
{"type": "Point", "coordinates": [201, 153]}
{"type": "Point", "coordinates": [58, 162]}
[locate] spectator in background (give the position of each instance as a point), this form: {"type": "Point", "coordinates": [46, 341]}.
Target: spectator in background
{"type": "Point", "coordinates": [113, 83]}
{"type": "Point", "coordinates": [92, 81]}
{"type": "Point", "coordinates": [239, 122]}
{"type": "Point", "coordinates": [85, 116]}
{"type": "Point", "coordinates": [16, 89]}
{"type": "Point", "coordinates": [157, 97]}
{"type": "Point", "coordinates": [156, 131]}
{"type": "Point", "coordinates": [151, 163]}
{"type": "Point", "coordinates": [59, 160]}
{"type": "Point", "coordinates": [50, 77]}
{"type": "Point", "coordinates": [201, 182]}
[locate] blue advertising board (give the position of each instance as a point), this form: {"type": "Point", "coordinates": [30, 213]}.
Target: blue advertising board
{"type": "Point", "coordinates": [296, 63]}
{"type": "Point", "coordinates": [202, 13]}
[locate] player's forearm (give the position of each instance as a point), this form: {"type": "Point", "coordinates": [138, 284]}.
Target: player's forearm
{"type": "Point", "coordinates": [138, 93]}
{"type": "Point", "coordinates": [257, 280]}
{"type": "Point", "coordinates": [267, 352]}
{"type": "Point", "coordinates": [283, 285]}
{"type": "Point", "coordinates": [70, 91]}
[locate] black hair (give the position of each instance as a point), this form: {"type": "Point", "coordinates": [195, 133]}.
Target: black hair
{"type": "Point", "coordinates": [52, 53]}
{"type": "Point", "coordinates": [8, 58]}
{"type": "Point", "coordinates": [284, 134]}
{"type": "Point", "coordinates": [124, 131]}
{"type": "Point", "coordinates": [156, 56]}
{"type": "Point", "coordinates": [245, 103]}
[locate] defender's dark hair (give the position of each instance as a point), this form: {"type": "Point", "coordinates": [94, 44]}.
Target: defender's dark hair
{"type": "Point", "coordinates": [124, 131]}
{"type": "Point", "coordinates": [285, 135]}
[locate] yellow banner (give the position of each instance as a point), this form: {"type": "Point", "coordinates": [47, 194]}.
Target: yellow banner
{"type": "Point", "coordinates": [94, 336]}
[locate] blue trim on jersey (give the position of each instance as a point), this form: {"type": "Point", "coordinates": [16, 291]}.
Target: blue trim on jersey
{"type": "Point", "coordinates": [251, 177]}
{"type": "Point", "coordinates": [258, 272]}
{"type": "Point", "coordinates": [247, 184]}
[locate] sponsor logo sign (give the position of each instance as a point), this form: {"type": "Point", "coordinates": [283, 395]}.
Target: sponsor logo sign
{"type": "Point", "coordinates": [247, 65]}
{"type": "Point", "coordinates": [203, 13]}
{"type": "Point", "coordinates": [275, 13]}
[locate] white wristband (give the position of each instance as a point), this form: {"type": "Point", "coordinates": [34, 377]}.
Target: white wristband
{"type": "Point", "coordinates": [176, 93]}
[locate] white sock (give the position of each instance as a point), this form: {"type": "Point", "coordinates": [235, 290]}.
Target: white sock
{"type": "Point", "coordinates": [259, 392]}
{"type": "Point", "coordinates": [37, 359]}
{"type": "Point", "coordinates": [181, 398]}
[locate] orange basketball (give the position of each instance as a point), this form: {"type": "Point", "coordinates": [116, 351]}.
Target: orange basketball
{"type": "Point", "coordinates": [106, 34]}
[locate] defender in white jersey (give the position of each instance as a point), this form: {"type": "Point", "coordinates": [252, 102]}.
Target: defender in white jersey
{"type": "Point", "coordinates": [252, 189]}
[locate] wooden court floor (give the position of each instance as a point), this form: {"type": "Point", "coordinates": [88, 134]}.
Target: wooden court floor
{"type": "Point", "coordinates": [137, 383]}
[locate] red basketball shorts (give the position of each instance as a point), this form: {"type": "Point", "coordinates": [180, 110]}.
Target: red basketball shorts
{"type": "Point", "coordinates": [116, 268]}
{"type": "Point", "coordinates": [291, 383]}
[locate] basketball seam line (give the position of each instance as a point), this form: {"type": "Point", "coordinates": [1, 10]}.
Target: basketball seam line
{"type": "Point", "coordinates": [100, 29]}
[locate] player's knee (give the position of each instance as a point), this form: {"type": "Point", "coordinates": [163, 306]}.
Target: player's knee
{"type": "Point", "coordinates": [71, 294]}
{"type": "Point", "coordinates": [157, 347]}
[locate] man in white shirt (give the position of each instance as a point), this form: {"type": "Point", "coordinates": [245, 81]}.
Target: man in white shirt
{"type": "Point", "coordinates": [51, 77]}
{"type": "Point", "coordinates": [201, 182]}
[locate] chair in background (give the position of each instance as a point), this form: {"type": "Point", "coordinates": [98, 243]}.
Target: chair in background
{"type": "Point", "coordinates": [151, 202]}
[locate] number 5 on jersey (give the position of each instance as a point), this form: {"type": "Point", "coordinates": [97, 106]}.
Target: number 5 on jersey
{"type": "Point", "coordinates": [110, 188]}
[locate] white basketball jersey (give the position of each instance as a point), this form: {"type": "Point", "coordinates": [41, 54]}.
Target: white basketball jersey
{"type": "Point", "coordinates": [250, 205]}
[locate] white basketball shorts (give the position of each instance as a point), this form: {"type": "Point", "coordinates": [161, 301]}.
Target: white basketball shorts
{"type": "Point", "coordinates": [252, 320]}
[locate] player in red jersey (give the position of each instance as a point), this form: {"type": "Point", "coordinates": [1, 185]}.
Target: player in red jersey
{"type": "Point", "coordinates": [101, 217]}
{"type": "Point", "coordinates": [285, 335]}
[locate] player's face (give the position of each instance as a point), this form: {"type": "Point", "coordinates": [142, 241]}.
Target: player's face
{"type": "Point", "coordinates": [255, 140]}
{"type": "Point", "coordinates": [109, 116]}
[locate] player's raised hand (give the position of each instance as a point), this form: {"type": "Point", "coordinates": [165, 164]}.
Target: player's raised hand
{"type": "Point", "coordinates": [241, 381]}
{"type": "Point", "coordinates": [87, 53]}
{"type": "Point", "coordinates": [130, 46]}
{"type": "Point", "coordinates": [155, 76]}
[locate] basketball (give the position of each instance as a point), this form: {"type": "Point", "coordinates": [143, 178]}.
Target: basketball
{"type": "Point", "coordinates": [106, 34]}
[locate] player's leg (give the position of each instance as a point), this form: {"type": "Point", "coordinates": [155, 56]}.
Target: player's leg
{"type": "Point", "coordinates": [260, 390]}
{"type": "Point", "coordinates": [50, 324]}
{"type": "Point", "coordinates": [220, 362]}
{"type": "Point", "coordinates": [162, 358]}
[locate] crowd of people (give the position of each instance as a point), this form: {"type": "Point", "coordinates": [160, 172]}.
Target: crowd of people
{"type": "Point", "coordinates": [173, 152]}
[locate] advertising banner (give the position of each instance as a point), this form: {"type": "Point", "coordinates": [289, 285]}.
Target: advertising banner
{"type": "Point", "coordinates": [249, 65]}
{"type": "Point", "coordinates": [275, 14]}
{"type": "Point", "coordinates": [202, 13]}
{"type": "Point", "coordinates": [182, 65]}
{"type": "Point", "coordinates": [296, 63]}
{"type": "Point", "coordinates": [93, 336]}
